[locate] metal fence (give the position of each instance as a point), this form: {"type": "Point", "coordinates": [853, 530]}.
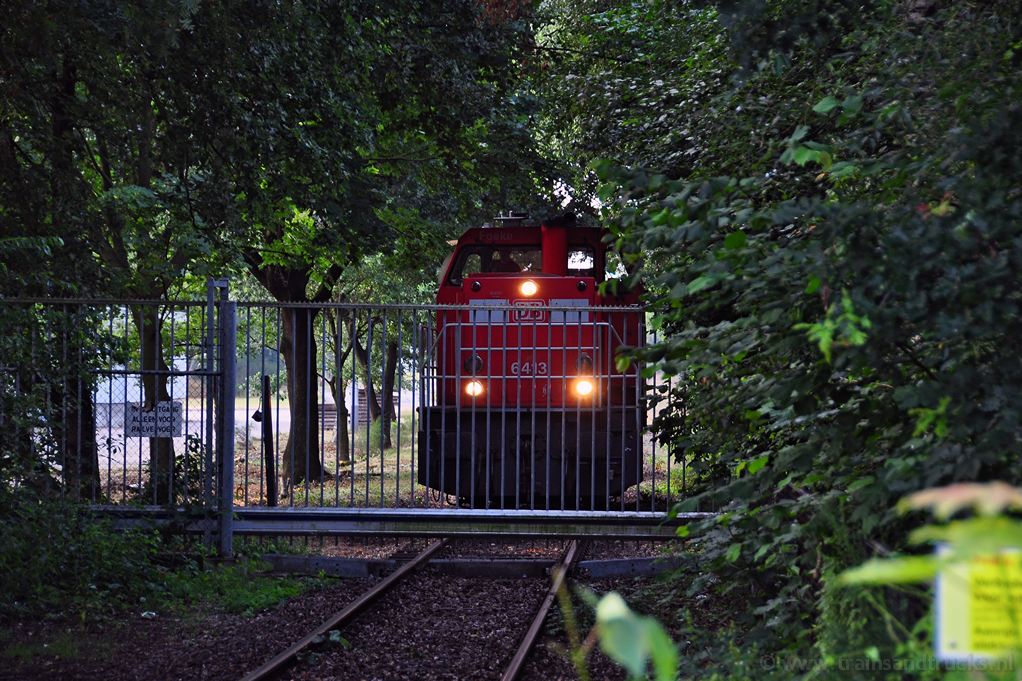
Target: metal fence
{"type": "Point", "coordinates": [333, 406]}
{"type": "Point", "coordinates": [376, 414]}
{"type": "Point", "coordinates": [119, 402]}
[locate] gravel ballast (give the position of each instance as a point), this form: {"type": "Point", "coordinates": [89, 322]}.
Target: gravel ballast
{"type": "Point", "coordinates": [431, 626]}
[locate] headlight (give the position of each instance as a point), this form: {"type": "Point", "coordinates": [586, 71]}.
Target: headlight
{"type": "Point", "coordinates": [474, 388]}
{"type": "Point", "coordinates": [529, 288]}
{"type": "Point", "coordinates": [584, 387]}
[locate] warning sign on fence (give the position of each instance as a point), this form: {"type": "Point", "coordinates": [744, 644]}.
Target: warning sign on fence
{"type": "Point", "coordinates": [162, 421]}
{"type": "Point", "coordinates": [979, 608]}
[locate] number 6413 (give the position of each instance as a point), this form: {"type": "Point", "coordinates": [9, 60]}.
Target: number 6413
{"type": "Point", "coordinates": [529, 369]}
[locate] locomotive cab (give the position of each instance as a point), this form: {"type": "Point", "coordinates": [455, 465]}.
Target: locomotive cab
{"type": "Point", "coordinates": [526, 403]}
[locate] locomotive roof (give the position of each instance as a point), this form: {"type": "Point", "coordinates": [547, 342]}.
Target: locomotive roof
{"type": "Point", "coordinates": [527, 235]}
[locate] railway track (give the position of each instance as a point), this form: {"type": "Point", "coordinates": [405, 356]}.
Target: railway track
{"type": "Point", "coordinates": [280, 664]}
{"type": "Point", "coordinates": [560, 573]}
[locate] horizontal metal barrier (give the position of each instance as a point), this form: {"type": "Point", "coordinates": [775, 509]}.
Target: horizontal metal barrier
{"type": "Point", "coordinates": [415, 522]}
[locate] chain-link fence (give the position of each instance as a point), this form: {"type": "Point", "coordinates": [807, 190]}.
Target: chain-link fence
{"type": "Point", "coordinates": [110, 401]}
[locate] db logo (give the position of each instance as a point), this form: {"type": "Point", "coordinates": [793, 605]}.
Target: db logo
{"type": "Point", "coordinates": [528, 311]}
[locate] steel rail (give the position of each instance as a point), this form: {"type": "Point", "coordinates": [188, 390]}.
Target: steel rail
{"type": "Point", "coordinates": [327, 305]}
{"type": "Point", "coordinates": [119, 302]}
{"type": "Point", "coordinates": [560, 573]}
{"type": "Point", "coordinates": [269, 669]}
{"type": "Point", "coordinates": [415, 522]}
{"type": "Point", "coordinates": [437, 307]}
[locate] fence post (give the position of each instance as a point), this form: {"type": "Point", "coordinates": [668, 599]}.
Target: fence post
{"type": "Point", "coordinates": [269, 462]}
{"type": "Point", "coordinates": [209, 343]}
{"type": "Point", "coordinates": [228, 388]}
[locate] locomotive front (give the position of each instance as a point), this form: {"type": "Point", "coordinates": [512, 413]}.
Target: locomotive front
{"type": "Point", "coordinates": [527, 406]}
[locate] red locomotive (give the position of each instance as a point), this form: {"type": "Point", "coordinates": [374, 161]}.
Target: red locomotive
{"type": "Point", "coordinates": [528, 406]}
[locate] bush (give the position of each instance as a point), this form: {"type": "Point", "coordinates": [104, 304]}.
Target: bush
{"type": "Point", "coordinates": [57, 559]}
{"type": "Point", "coordinates": [834, 276]}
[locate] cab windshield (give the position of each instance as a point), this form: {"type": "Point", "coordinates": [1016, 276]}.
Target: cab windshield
{"type": "Point", "coordinates": [491, 259]}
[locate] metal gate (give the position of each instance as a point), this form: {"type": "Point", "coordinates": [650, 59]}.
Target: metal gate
{"type": "Point", "coordinates": [345, 423]}
{"type": "Point", "coordinates": [257, 418]}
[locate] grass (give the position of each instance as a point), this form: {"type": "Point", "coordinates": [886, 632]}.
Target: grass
{"type": "Point", "coordinates": [385, 479]}
{"type": "Point", "coordinates": [63, 646]}
{"type": "Point", "coordinates": [374, 477]}
{"type": "Point", "coordinates": [86, 573]}
{"type": "Point", "coordinates": [186, 592]}
{"type": "Point", "coordinates": [240, 589]}
{"type": "Point", "coordinates": [91, 574]}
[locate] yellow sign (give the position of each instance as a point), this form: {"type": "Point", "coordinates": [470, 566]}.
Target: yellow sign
{"type": "Point", "coordinates": [979, 608]}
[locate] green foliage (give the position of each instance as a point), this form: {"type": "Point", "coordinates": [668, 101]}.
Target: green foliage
{"type": "Point", "coordinates": [41, 416]}
{"type": "Point", "coordinates": [95, 150]}
{"type": "Point", "coordinates": [186, 481]}
{"type": "Point", "coordinates": [821, 196]}
{"type": "Point", "coordinates": [292, 142]}
{"type": "Point", "coordinates": [845, 328]}
{"type": "Point", "coordinates": [17, 250]}
{"type": "Point", "coordinates": [634, 641]}
{"type": "Point", "coordinates": [987, 534]}
{"type": "Point", "coordinates": [57, 560]}
{"type": "Point", "coordinates": [394, 113]}
{"type": "Point", "coordinates": [234, 588]}
{"type": "Point", "coordinates": [863, 153]}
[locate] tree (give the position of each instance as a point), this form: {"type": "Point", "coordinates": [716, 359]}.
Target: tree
{"type": "Point", "coordinates": [392, 117]}
{"type": "Point", "coordinates": [294, 139]}
{"type": "Point", "coordinates": [46, 357]}
{"type": "Point", "coordinates": [106, 158]}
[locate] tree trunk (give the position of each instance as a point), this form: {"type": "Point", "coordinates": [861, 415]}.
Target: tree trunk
{"type": "Point", "coordinates": [337, 390]}
{"type": "Point", "coordinates": [81, 457]}
{"type": "Point", "coordinates": [390, 369]}
{"type": "Point", "coordinates": [338, 386]}
{"type": "Point", "coordinates": [161, 449]}
{"type": "Point", "coordinates": [343, 436]}
{"type": "Point", "coordinates": [372, 403]}
{"type": "Point", "coordinates": [301, 459]}
{"type": "Point", "coordinates": [372, 400]}
{"type": "Point", "coordinates": [298, 346]}
{"type": "Point", "coordinates": [380, 407]}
